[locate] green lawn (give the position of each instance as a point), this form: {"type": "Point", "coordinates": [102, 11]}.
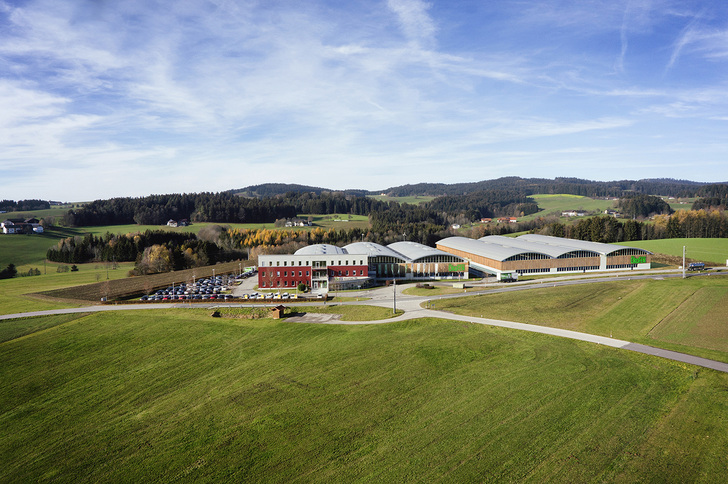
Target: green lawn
{"type": "Point", "coordinates": [706, 250]}
{"type": "Point", "coordinates": [178, 396]}
{"type": "Point", "coordinates": [680, 314]}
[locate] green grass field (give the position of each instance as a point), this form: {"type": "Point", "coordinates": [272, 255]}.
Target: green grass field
{"type": "Point", "coordinates": [413, 200]}
{"type": "Point", "coordinates": [706, 250]}
{"type": "Point", "coordinates": [14, 293]}
{"type": "Point", "coordinates": [555, 204]}
{"type": "Point", "coordinates": [178, 396]}
{"type": "Point", "coordinates": [30, 250]}
{"type": "Point", "coordinates": [686, 315]}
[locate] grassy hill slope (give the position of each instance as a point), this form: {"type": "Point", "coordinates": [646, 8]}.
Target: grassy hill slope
{"type": "Point", "coordinates": [179, 396]}
{"type": "Point", "coordinates": [680, 314]}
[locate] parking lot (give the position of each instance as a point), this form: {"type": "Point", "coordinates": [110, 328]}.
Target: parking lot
{"type": "Point", "coordinates": [212, 288]}
{"type": "Point", "coordinates": [222, 288]}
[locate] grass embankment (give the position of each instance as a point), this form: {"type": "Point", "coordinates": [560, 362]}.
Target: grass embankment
{"type": "Point", "coordinates": [680, 314]}
{"type": "Point", "coordinates": [347, 313]}
{"type": "Point", "coordinates": [172, 396]}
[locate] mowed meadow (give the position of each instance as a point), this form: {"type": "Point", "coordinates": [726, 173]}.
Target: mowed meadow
{"type": "Point", "coordinates": [688, 315]}
{"type": "Point", "coordinates": [179, 396]}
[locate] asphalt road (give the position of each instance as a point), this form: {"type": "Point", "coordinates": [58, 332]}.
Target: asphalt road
{"type": "Point", "coordinates": [412, 306]}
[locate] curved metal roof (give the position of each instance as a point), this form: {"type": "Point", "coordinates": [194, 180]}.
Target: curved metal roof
{"type": "Point", "coordinates": [480, 248]}
{"type": "Point", "coordinates": [526, 246]}
{"type": "Point", "coordinates": [574, 244]}
{"type": "Point", "coordinates": [500, 248]}
{"type": "Point", "coordinates": [320, 249]}
{"type": "Point", "coordinates": [372, 249]}
{"type": "Point", "coordinates": [416, 251]}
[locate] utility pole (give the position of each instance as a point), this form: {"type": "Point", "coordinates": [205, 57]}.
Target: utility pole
{"type": "Point", "coordinates": [684, 276]}
{"type": "Point", "coordinates": [394, 285]}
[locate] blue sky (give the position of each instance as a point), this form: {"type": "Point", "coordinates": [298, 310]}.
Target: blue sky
{"type": "Point", "coordinates": [107, 98]}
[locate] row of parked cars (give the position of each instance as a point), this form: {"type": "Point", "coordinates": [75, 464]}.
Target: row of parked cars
{"type": "Point", "coordinates": [188, 297]}
{"type": "Point", "coordinates": [211, 288]}
{"type": "Point", "coordinates": [270, 295]}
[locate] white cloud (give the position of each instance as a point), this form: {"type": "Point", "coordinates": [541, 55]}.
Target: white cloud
{"type": "Point", "coordinates": [268, 91]}
{"type": "Point", "coordinates": [416, 23]}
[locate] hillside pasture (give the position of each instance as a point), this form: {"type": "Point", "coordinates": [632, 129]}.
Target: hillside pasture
{"type": "Point", "coordinates": [679, 314]}
{"type": "Point", "coordinates": [16, 295]}
{"type": "Point", "coordinates": [412, 200]}
{"type": "Point", "coordinates": [29, 250]}
{"type": "Point", "coordinates": [178, 396]}
{"type": "Point", "coordinates": [554, 204]}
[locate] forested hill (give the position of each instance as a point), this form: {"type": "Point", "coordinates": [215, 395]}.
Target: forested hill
{"type": "Point", "coordinates": [275, 189]}
{"type": "Point", "coordinates": [573, 186]}
{"type": "Point", "coordinates": [526, 186]}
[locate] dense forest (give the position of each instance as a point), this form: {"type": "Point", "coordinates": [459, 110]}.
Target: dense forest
{"type": "Point", "coordinates": [572, 186]}
{"type": "Point", "coordinates": [684, 223]}
{"type": "Point", "coordinates": [469, 201]}
{"type": "Point", "coordinates": [713, 196]}
{"type": "Point", "coordinates": [23, 205]}
{"type": "Point", "coordinates": [491, 203]}
{"type": "Point", "coordinates": [153, 251]}
{"type": "Point", "coordinates": [274, 189]}
{"type": "Point", "coordinates": [200, 207]}
{"type": "Point", "coordinates": [637, 205]}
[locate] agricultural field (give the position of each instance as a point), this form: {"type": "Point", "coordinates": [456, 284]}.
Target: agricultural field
{"type": "Point", "coordinates": [412, 200]}
{"type": "Point", "coordinates": [29, 250]}
{"type": "Point", "coordinates": [55, 211]}
{"type": "Point", "coordinates": [337, 221]}
{"type": "Point", "coordinates": [557, 203]}
{"type": "Point", "coordinates": [179, 396]}
{"type": "Point", "coordinates": [680, 204]}
{"type": "Point", "coordinates": [19, 294]}
{"type": "Point", "coordinates": [687, 315]}
{"type": "Point", "coordinates": [714, 251]}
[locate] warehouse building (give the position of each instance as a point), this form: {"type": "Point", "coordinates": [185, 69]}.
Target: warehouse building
{"type": "Point", "coordinates": [324, 267]}
{"type": "Point", "coordinates": [505, 257]}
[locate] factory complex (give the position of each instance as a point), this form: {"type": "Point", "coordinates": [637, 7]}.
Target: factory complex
{"type": "Point", "coordinates": [325, 267]}
{"type": "Point", "coordinates": [508, 257]}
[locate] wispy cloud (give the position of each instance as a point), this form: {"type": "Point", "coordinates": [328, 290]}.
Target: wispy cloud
{"type": "Point", "coordinates": [416, 24]}
{"type": "Point", "coordinates": [270, 90]}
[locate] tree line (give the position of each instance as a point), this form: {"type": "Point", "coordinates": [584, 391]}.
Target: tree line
{"type": "Point", "coordinates": [681, 224]}
{"type": "Point", "coordinates": [23, 205]}
{"type": "Point", "coordinates": [229, 208]}
{"type": "Point", "coordinates": [153, 251]}
{"type": "Point", "coordinates": [638, 205]}
{"type": "Point", "coordinates": [572, 186]}
{"type": "Point", "coordinates": [198, 207]}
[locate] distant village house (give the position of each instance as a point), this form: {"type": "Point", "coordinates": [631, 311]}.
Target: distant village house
{"type": "Point", "coordinates": [21, 226]}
